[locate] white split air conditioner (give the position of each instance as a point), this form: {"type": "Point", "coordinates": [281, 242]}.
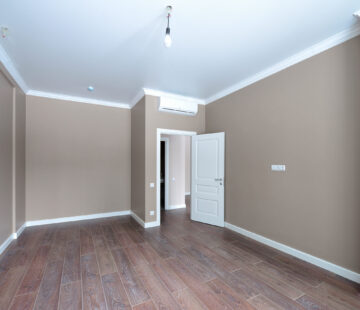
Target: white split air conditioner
{"type": "Point", "coordinates": [175, 105]}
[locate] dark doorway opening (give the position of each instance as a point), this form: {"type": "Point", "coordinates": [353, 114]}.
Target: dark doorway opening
{"type": "Point", "coordinates": [162, 175]}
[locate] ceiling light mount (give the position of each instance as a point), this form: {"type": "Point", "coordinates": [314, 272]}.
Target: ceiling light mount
{"type": "Point", "coordinates": [168, 40]}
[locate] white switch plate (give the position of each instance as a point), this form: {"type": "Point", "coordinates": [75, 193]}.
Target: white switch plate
{"type": "Point", "coordinates": [152, 185]}
{"type": "Point", "coordinates": [152, 212]}
{"type": "Point", "coordinates": [278, 167]}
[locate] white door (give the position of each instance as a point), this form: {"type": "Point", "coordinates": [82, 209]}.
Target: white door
{"type": "Point", "coordinates": [207, 178]}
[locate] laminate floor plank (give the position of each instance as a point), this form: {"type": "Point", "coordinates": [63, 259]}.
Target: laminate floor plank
{"type": "Point", "coordinates": [48, 296]}
{"type": "Point", "coordinates": [115, 294]}
{"type": "Point", "coordinates": [149, 305]}
{"type": "Point", "coordinates": [268, 292]}
{"type": "Point", "coordinates": [23, 302]}
{"type": "Point", "coordinates": [33, 277]}
{"type": "Point", "coordinates": [158, 291]}
{"type": "Point", "coordinates": [103, 254]}
{"type": "Point", "coordinates": [92, 291]}
{"type": "Point", "coordinates": [132, 283]}
{"type": "Point", "coordinates": [86, 242]}
{"type": "Point", "coordinates": [70, 296]}
{"type": "Point", "coordinates": [9, 282]}
{"type": "Point", "coordinates": [188, 300]}
{"type": "Point", "coordinates": [71, 270]}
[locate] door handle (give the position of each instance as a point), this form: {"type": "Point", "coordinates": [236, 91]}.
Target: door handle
{"type": "Point", "coordinates": [218, 179]}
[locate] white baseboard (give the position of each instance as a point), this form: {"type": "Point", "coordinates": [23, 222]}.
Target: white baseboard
{"type": "Point", "coordinates": [174, 207]}
{"type": "Point", "coordinates": [341, 271]}
{"type": "Point", "coordinates": [142, 223]}
{"type": "Point", "coordinates": [13, 236]}
{"type": "Point", "coordinates": [19, 231]}
{"type": "Point", "coordinates": [187, 193]}
{"type": "Point", "coordinates": [77, 218]}
{"type": "Point", "coordinates": [6, 243]}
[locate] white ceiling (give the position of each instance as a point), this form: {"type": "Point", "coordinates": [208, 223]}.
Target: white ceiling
{"type": "Point", "coordinates": [62, 46]}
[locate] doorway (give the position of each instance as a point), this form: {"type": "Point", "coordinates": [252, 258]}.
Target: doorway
{"type": "Point", "coordinates": [170, 184]}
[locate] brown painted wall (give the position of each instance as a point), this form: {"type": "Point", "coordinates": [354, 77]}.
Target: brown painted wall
{"type": "Point", "coordinates": [6, 115]}
{"type": "Point", "coordinates": [306, 117]}
{"type": "Point", "coordinates": [78, 159]}
{"type": "Point", "coordinates": [138, 159]}
{"type": "Point", "coordinates": [20, 128]}
{"type": "Point", "coordinates": [154, 120]}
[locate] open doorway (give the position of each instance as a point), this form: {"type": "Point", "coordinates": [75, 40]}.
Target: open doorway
{"type": "Point", "coordinates": [174, 171]}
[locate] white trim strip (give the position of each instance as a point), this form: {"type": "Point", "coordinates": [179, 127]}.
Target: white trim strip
{"type": "Point", "coordinates": [12, 71]}
{"type": "Point", "coordinates": [158, 93]}
{"type": "Point", "coordinates": [187, 193]}
{"type": "Point", "coordinates": [19, 231]}
{"type": "Point", "coordinates": [142, 223]}
{"type": "Point", "coordinates": [6, 243]}
{"type": "Point", "coordinates": [346, 273]}
{"type": "Point", "coordinates": [137, 98]}
{"type": "Point", "coordinates": [174, 207]}
{"type": "Point", "coordinates": [77, 218]}
{"type": "Point", "coordinates": [78, 99]}
{"type": "Point", "coordinates": [137, 219]}
{"type": "Point", "coordinates": [318, 48]}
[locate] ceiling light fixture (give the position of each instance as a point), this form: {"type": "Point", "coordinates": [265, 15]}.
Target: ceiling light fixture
{"type": "Point", "coordinates": [357, 14]}
{"type": "Point", "coordinates": [168, 40]}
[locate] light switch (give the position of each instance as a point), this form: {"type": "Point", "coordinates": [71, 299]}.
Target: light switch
{"type": "Point", "coordinates": [278, 167]}
{"type": "Point", "coordinates": [173, 179]}
{"type": "Point", "coordinates": [152, 212]}
{"type": "Point", "coordinates": [152, 185]}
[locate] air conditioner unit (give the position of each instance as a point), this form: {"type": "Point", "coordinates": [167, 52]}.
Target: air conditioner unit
{"type": "Point", "coordinates": [179, 106]}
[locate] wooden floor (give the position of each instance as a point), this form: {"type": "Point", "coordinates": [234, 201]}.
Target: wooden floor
{"type": "Point", "coordinates": [115, 264]}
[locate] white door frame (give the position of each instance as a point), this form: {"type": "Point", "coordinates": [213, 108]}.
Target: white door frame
{"type": "Point", "coordinates": [166, 179]}
{"type": "Point", "coordinates": [159, 132]}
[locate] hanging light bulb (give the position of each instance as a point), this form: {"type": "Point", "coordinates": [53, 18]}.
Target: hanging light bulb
{"type": "Point", "coordinates": [168, 40]}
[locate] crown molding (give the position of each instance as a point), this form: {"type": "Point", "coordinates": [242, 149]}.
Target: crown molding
{"type": "Point", "coordinates": [159, 93]}
{"type": "Point", "coordinates": [137, 98]}
{"type": "Point", "coordinates": [12, 72]}
{"type": "Point", "coordinates": [78, 99]}
{"type": "Point", "coordinates": [316, 49]}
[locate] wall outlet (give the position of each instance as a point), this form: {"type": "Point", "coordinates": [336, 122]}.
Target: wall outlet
{"type": "Point", "coordinates": [278, 167]}
{"type": "Point", "coordinates": [152, 185]}
{"type": "Point", "coordinates": [152, 212]}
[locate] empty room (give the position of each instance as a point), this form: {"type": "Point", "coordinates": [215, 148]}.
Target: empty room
{"type": "Point", "coordinates": [180, 155]}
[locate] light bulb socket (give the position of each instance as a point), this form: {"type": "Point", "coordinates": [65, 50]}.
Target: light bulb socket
{"type": "Point", "coordinates": [167, 31]}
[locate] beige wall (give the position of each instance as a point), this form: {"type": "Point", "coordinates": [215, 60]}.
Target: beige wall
{"type": "Point", "coordinates": [155, 119]}
{"type": "Point", "coordinates": [78, 159]}
{"type": "Point", "coordinates": [6, 116]}
{"type": "Point", "coordinates": [138, 158]}
{"type": "Point", "coordinates": [187, 164]}
{"type": "Point", "coordinates": [176, 170]}
{"type": "Point", "coordinates": [20, 127]}
{"type": "Point", "coordinates": [306, 117]}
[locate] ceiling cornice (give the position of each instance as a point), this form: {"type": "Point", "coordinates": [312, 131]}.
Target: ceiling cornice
{"type": "Point", "coordinates": [78, 99]}
{"type": "Point", "coordinates": [316, 49]}
{"type": "Point", "coordinates": [159, 93]}
{"type": "Point", "coordinates": [13, 73]}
